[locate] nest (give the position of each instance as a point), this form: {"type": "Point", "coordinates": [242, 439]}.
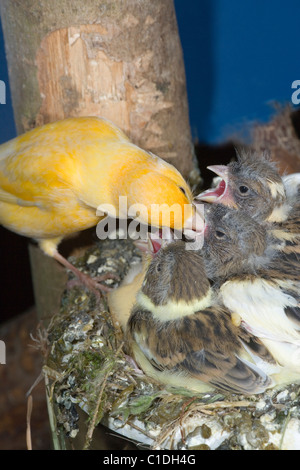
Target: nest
{"type": "Point", "coordinates": [86, 368]}
{"type": "Point", "coordinates": [91, 382]}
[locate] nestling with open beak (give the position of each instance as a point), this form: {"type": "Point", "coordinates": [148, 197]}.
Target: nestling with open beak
{"type": "Point", "coordinates": [181, 336]}
{"type": "Point", "coordinates": [54, 178]}
{"type": "Point", "coordinates": [254, 185]}
{"type": "Point", "coordinates": [258, 281]}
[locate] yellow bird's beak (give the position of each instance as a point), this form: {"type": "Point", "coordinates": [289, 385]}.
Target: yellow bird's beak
{"type": "Point", "coordinates": [194, 225]}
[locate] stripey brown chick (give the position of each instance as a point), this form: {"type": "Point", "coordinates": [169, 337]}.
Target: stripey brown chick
{"type": "Point", "coordinates": [258, 280]}
{"type": "Point", "coordinates": [180, 335]}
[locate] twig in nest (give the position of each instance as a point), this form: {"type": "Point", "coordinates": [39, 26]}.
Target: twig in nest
{"type": "Point", "coordinates": [284, 429]}
{"type": "Point", "coordinates": [185, 406]}
{"type": "Point", "coordinates": [142, 431]}
{"type": "Point", "coordinates": [164, 435]}
{"type": "Point", "coordinates": [92, 425]}
{"type": "Point", "coordinates": [35, 383]}
{"type": "Point", "coordinates": [205, 408]}
{"type": "Point", "coordinates": [28, 418]}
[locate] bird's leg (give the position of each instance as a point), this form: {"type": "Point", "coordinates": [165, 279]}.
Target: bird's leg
{"type": "Point", "coordinates": [93, 284]}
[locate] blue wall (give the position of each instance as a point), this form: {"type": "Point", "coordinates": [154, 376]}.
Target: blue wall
{"type": "Point", "coordinates": [239, 57]}
{"type": "Point", "coordinates": [7, 126]}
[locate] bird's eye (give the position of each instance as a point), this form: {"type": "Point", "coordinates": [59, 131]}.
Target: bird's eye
{"type": "Point", "coordinates": [158, 268]}
{"type": "Point", "coordinates": [220, 235]}
{"type": "Point", "coordinates": [182, 190]}
{"type": "Point", "coordinates": [243, 189]}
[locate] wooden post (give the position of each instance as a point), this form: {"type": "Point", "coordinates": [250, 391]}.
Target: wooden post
{"type": "Point", "coordinates": [118, 59]}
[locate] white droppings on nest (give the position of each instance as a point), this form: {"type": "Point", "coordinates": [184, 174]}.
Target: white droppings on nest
{"type": "Point", "coordinates": [66, 358]}
{"type": "Point", "coordinates": [283, 396]}
{"type": "Point", "coordinates": [267, 421]}
{"type": "Point", "coordinates": [106, 269]}
{"type": "Point", "coordinates": [261, 405]}
{"type": "Point", "coordinates": [291, 437]}
{"type": "Point", "coordinates": [195, 436]}
{"type": "Point", "coordinates": [91, 259]}
{"type": "Point", "coordinates": [97, 342]}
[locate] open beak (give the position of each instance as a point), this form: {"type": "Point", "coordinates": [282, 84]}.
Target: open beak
{"type": "Point", "coordinates": [156, 239]}
{"type": "Point", "coordinates": [222, 192]}
{"type": "Point", "coordinates": [152, 244]}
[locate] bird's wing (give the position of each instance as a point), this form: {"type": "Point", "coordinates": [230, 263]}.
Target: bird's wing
{"type": "Point", "coordinates": [293, 313]}
{"type": "Point", "coordinates": [265, 306]}
{"type": "Point", "coordinates": [33, 176]}
{"type": "Point", "coordinates": [203, 348]}
{"type": "Point", "coordinates": [12, 199]}
{"type": "Point", "coordinates": [287, 243]}
{"type": "Point", "coordinates": [227, 372]}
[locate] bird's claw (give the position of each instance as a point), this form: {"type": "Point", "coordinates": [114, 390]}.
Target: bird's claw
{"type": "Point", "coordinates": [93, 284]}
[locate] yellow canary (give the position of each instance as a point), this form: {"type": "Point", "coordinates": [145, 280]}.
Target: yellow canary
{"type": "Point", "coordinates": [54, 178]}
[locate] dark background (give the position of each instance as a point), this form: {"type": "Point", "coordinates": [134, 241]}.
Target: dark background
{"type": "Point", "coordinates": [239, 58]}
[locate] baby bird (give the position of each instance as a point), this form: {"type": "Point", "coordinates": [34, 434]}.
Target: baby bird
{"type": "Point", "coordinates": [55, 177]}
{"type": "Point", "coordinates": [180, 335]}
{"type": "Point", "coordinates": [122, 299]}
{"type": "Point", "coordinates": [234, 243]}
{"type": "Point", "coordinates": [253, 184]}
{"type": "Point", "coordinates": [259, 283]}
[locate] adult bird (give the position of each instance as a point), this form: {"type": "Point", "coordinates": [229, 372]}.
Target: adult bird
{"type": "Point", "coordinates": [54, 178]}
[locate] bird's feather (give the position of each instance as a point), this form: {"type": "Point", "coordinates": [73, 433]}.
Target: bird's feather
{"type": "Point", "coordinates": [204, 347]}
